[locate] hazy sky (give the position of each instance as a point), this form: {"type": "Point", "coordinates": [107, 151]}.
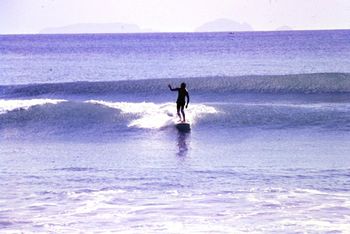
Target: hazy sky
{"type": "Point", "coordinates": [30, 16]}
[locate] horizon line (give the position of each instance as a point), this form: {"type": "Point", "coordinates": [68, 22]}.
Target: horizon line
{"type": "Point", "coordinates": [179, 32]}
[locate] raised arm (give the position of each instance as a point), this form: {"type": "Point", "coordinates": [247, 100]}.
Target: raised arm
{"type": "Point", "coordinates": [175, 89]}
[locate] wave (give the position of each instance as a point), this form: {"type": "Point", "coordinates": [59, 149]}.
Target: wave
{"type": "Point", "coordinates": [10, 105]}
{"type": "Point", "coordinates": [53, 117]}
{"type": "Point", "coordinates": [328, 116]}
{"type": "Point", "coordinates": [56, 117]}
{"type": "Point", "coordinates": [298, 83]}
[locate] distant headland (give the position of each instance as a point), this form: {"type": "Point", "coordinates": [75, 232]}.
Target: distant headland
{"type": "Point", "coordinates": [224, 25]}
{"type": "Point", "coordinates": [218, 25]}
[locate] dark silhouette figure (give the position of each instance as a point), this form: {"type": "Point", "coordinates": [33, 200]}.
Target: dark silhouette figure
{"type": "Point", "coordinates": [181, 100]}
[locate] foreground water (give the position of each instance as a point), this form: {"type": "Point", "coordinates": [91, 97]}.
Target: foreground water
{"type": "Point", "coordinates": [254, 181]}
{"type": "Point", "coordinates": [110, 166]}
{"type": "Point", "coordinates": [267, 153]}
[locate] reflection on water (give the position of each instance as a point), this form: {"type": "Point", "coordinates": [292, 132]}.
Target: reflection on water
{"type": "Point", "coordinates": [183, 143]}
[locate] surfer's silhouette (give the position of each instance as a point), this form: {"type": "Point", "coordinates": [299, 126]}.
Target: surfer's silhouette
{"type": "Point", "coordinates": [181, 100]}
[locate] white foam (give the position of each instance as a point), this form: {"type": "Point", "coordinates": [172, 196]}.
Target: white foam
{"type": "Point", "coordinates": [10, 105]}
{"type": "Point", "coordinates": [154, 116]}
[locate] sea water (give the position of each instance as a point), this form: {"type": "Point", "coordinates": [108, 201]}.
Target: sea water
{"type": "Point", "coordinates": [88, 143]}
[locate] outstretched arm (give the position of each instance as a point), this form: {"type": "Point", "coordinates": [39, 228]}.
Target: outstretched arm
{"type": "Point", "coordinates": [172, 88]}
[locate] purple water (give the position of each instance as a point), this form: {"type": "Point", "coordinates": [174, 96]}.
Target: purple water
{"type": "Point", "coordinates": [88, 142]}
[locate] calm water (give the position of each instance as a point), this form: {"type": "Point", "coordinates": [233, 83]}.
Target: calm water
{"type": "Point", "coordinates": [88, 143]}
{"type": "Point", "coordinates": [110, 57]}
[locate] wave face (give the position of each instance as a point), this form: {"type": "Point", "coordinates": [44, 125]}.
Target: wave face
{"type": "Point", "coordinates": [302, 83]}
{"type": "Point", "coordinates": [110, 108]}
{"type": "Point", "coordinates": [55, 117]}
{"type": "Point", "coordinates": [331, 116]}
{"type": "Point", "coordinates": [47, 117]}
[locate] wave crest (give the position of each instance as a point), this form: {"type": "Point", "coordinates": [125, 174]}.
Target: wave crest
{"type": "Point", "coordinates": [92, 117]}
{"type": "Point", "coordinates": [298, 83]}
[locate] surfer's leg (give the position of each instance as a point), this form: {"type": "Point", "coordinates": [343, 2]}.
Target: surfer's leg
{"type": "Point", "coordinates": [178, 110]}
{"type": "Point", "coordinates": [183, 113]}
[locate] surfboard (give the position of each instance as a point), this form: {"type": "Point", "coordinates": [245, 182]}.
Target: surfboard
{"type": "Point", "coordinates": [183, 127]}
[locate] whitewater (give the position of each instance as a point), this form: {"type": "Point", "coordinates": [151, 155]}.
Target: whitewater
{"type": "Point", "coordinates": [88, 142]}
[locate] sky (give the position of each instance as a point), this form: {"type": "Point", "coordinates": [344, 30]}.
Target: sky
{"type": "Point", "coordinates": [31, 16]}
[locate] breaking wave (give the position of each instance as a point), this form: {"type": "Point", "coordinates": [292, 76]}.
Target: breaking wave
{"type": "Point", "coordinates": [54, 117]}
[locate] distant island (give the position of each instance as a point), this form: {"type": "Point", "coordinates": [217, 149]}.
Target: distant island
{"type": "Point", "coordinates": [219, 25]}
{"type": "Point", "coordinates": [95, 28]}
{"type": "Point", "coordinates": [224, 25]}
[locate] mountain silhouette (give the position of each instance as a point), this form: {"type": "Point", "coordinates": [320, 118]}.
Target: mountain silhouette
{"type": "Point", "coordinates": [223, 25]}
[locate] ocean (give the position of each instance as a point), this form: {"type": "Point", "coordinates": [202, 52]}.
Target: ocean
{"type": "Point", "coordinates": [88, 142]}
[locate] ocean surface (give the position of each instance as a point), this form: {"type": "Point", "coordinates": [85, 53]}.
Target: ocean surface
{"type": "Point", "coordinates": [88, 142]}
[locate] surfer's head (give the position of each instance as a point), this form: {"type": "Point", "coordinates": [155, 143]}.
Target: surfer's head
{"type": "Point", "coordinates": [183, 85]}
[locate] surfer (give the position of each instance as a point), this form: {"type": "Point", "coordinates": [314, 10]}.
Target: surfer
{"type": "Point", "coordinates": [181, 100]}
